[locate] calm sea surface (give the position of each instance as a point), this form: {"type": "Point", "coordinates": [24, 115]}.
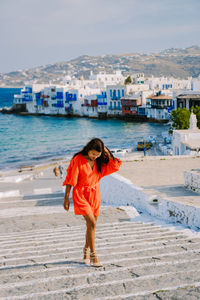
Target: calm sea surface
{"type": "Point", "coordinates": [32, 140]}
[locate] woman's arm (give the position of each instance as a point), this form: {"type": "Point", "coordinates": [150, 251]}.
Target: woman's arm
{"type": "Point", "coordinates": [113, 164]}
{"type": "Point", "coordinates": [66, 203]}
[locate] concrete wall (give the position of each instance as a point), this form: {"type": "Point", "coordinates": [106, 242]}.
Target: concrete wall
{"type": "Point", "coordinates": [192, 180]}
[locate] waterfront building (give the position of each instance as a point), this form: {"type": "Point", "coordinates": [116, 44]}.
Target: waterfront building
{"type": "Point", "coordinates": [114, 95]}
{"type": "Point", "coordinates": [21, 101]}
{"type": "Point", "coordinates": [187, 141]}
{"type": "Point", "coordinates": [188, 99]}
{"type": "Point", "coordinates": [95, 106]}
{"type": "Point", "coordinates": [75, 96]}
{"type": "Point", "coordinates": [102, 105]}
{"type": "Point", "coordinates": [90, 107]}
{"type": "Point", "coordinates": [130, 105]}
{"type": "Point", "coordinates": [159, 107]}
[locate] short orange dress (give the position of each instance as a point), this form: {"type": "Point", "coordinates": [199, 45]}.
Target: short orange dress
{"type": "Point", "coordinates": [85, 181]}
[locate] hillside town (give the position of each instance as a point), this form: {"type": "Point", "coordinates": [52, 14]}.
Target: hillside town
{"type": "Point", "coordinates": [105, 95]}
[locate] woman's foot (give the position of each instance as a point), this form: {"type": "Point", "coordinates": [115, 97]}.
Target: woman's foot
{"type": "Point", "coordinates": [94, 261]}
{"type": "Point", "coordinates": [86, 255]}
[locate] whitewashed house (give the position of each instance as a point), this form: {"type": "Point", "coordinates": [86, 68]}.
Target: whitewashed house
{"type": "Point", "coordinates": [114, 95]}
{"type": "Point", "coordinates": [158, 107]}
{"type": "Point", "coordinates": [168, 83]}
{"type": "Point", "coordinates": [105, 79]}
{"type": "Point", "coordinates": [102, 105]}
{"type": "Point", "coordinates": [195, 84]}
{"type": "Point", "coordinates": [89, 107]}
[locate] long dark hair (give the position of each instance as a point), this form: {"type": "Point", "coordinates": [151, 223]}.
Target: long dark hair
{"type": "Point", "coordinates": [98, 145]}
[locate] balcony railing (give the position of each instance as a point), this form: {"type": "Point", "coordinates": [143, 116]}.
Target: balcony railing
{"type": "Point", "coordinates": [162, 106]}
{"type": "Point", "coordinates": [115, 98]}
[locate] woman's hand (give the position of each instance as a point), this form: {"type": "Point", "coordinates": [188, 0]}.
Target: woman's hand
{"type": "Point", "coordinates": [107, 151]}
{"type": "Point", "coordinates": [66, 203]}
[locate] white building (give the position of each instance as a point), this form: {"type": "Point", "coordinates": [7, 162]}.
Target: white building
{"type": "Point", "coordinates": [195, 84]}
{"type": "Point", "coordinates": [168, 83]}
{"type": "Point", "coordinates": [90, 107]}
{"type": "Point", "coordinates": [114, 95]}
{"type": "Point", "coordinates": [187, 142]}
{"type": "Point", "coordinates": [107, 79]}
{"type": "Point", "coordinates": [158, 107]}
{"type": "Point", "coordinates": [187, 99]}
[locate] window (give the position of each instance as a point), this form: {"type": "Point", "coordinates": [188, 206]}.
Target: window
{"type": "Point", "coordinates": [118, 93]}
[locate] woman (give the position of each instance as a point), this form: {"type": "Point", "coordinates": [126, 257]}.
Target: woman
{"type": "Point", "coordinates": [83, 174]}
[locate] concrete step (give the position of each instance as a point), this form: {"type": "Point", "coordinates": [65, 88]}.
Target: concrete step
{"type": "Point", "coordinates": [127, 245]}
{"type": "Point", "coordinates": [103, 283]}
{"type": "Point", "coordinates": [105, 226]}
{"type": "Point", "coordinates": [140, 260]}
{"type": "Point", "coordinates": [75, 237]}
{"type": "Point", "coordinates": [128, 232]}
{"type": "Point", "coordinates": [62, 255]}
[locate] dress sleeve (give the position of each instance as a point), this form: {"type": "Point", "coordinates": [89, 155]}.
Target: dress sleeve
{"type": "Point", "coordinates": [72, 172]}
{"type": "Point", "coordinates": [111, 167]}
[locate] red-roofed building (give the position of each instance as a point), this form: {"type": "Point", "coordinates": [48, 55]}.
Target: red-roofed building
{"type": "Point", "coordinates": [159, 107]}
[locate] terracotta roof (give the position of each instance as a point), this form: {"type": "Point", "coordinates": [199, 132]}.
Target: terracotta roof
{"type": "Point", "coordinates": [160, 97]}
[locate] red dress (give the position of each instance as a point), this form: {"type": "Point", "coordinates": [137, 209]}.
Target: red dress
{"type": "Point", "coordinates": [85, 181]}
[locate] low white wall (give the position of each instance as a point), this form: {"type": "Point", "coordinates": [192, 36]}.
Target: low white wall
{"type": "Point", "coordinates": [118, 191]}
{"type": "Point", "coordinates": [192, 180]}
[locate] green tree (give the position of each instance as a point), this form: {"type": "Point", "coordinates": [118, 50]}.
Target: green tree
{"type": "Point", "coordinates": [180, 118]}
{"type": "Point", "coordinates": [128, 80]}
{"type": "Point", "coordinates": [196, 111]}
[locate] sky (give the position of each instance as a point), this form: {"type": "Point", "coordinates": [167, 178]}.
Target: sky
{"type": "Point", "coordinates": [40, 32]}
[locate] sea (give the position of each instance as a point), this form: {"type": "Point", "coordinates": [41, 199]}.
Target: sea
{"type": "Point", "coordinates": [34, 140]}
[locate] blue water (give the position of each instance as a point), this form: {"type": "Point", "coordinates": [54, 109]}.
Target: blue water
{"type": "Point", "coordinates": [32, 140]}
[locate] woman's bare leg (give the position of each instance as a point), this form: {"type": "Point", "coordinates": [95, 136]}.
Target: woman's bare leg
{"type": "Point", "coordinates": [87, 245]}
{"type": "Point", "coordinates": [90, 239]}
{"type": "Point", "coordinates": [90, 232]}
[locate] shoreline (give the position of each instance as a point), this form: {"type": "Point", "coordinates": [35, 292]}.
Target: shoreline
{"type": "Point", "coordinates": [133, 118]}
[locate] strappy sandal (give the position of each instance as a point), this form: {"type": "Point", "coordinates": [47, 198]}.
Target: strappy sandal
{"type": "Point", "coordinates": [86, 256]}
{"type": "Point", "coordinates": [94, 261]}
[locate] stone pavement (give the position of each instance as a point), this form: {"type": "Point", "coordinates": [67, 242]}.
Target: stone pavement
{"type": "Point", "coordinates": [163, 177]}
{"type": "Point", "coordinates": [41, 247]}
{"type": "Point", "coordinates": [41, 254]}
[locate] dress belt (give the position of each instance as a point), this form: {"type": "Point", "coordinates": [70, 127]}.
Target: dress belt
{"type": "Point", "coordinates": [88, 186]}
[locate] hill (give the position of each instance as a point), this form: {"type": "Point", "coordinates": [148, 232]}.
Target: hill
{"type": "Point", "coordinates": [176, 62]}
